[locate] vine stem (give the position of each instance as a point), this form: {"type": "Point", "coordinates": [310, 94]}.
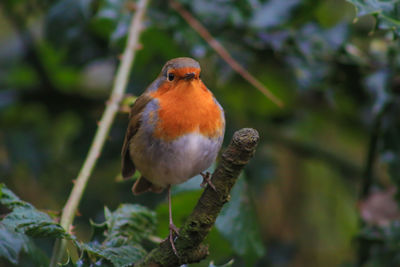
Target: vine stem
{"type": "Point", "coordinates": [112, 106]}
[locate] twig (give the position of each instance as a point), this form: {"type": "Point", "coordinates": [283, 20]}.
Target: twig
{"type": "Point", "coordinates": [104, 126]}
{"type": "Point", "coordinates": [200, 222]}
{"type": "Point", "coordinates": [203, 32]}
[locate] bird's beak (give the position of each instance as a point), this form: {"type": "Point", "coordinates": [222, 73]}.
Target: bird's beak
{"type": "Point", "coordinates": [189, 76]}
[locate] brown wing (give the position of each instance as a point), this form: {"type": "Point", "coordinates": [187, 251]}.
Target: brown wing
{"type": "Point", "coordinates": [128, 168]}
{"type": "Point", "coordinates": [143, 185]}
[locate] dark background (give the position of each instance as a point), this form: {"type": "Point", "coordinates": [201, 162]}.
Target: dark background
{"type": "Point", "coordinates": [323, 179]}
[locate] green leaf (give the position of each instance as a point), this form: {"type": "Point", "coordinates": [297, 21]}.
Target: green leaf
{"type": "Point", "coordinates": [25, 218]}
{"type": "Point", "coordinates": [11, 244]}
{"type": "Point", "coordinates": [237, 222]}
{"type": "Point", "coordinates": [122, 230]}
{"type": "Point", "coordinates": [386, 12]}
{"type": "Point", "coordinates": [119, 256]}
{"type": "Point", "coordinates": [9, 199]}
{"type": "Point", "coordinates": [33, 223]}
{"type": "Point", "coordinates": [130, 221]}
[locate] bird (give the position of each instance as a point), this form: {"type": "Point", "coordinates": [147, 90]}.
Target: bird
{"type": "Point", "coordinates": [175, 131]}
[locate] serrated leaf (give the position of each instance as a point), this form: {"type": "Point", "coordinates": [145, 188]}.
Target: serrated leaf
{"type": "Point", "coordinates": [25, 218]}
{"type": "Point", "coordinates": [122, 231]}
{"type": "Point", "coordinates": [33, 223]}
{"type": "Point", "coordinates": [237, 222]}
{"type": "Point", "coordinates": [9, 199]}
{"type": "Point", "coordinates": [130, 221]}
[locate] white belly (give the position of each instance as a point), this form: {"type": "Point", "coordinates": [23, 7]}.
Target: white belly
{"type": "Point", "coordinates": [174, 162]}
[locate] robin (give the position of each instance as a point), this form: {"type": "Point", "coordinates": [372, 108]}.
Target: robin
{"type": "Point", "coordinates": [175, 131]}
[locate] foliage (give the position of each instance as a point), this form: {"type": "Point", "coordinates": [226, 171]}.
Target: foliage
{"type": "Point", "coordinates": [24, 218]}
{"type": "Point", "coordinates": [116, 241]}
{"type": "Point", "coordinates": [386, 13]}
{"type": "Point", "coordinates": [338, 77]}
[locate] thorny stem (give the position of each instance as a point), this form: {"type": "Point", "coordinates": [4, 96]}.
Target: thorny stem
{"type": "Point", "coordinates": [104, 126]}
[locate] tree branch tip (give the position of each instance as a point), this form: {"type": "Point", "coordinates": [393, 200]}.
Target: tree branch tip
{"type": "Point", "coordinates": [246, 137]}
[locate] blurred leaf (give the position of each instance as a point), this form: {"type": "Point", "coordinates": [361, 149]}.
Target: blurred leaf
{"type": "Point", "coordinates": [377, 84]}
{"type": "Point", "coordinates": [386, 12]}
{"type": "Point", "coordinates": [22, 76]}
{"type": "Point", "coordinates": [237, 222]}
{"type": "Point", "coordinates": [309, 61]}
{"type": "Point", "coordinates": [272, 13]}
{"type": "Point", "coordinates": [112, 19]}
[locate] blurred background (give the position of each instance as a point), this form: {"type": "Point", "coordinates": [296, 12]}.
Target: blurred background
{"type": "Point", "coordinates": [321, 189]}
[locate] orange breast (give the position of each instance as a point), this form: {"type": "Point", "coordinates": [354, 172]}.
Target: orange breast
{"type": "Point", "coordinates": [187, 107]}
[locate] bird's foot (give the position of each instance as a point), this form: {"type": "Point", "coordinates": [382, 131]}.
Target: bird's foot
{"type": "Point", "coordinates": [207, 180]}
{"type": "Point", "coordinates": [173, 230]}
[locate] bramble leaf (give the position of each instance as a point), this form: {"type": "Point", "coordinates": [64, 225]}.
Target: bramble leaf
{"type": "Point", "coordinates": [25, 218]}
{"type": "Point", "coordinates": [123, 230]}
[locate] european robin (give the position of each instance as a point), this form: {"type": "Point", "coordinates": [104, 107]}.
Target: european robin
{"type": "Point", "coordinates": [175, 131]}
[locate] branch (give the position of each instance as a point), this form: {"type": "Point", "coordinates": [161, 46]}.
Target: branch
{"type": "Point", "coordinates": [202, 31]}
{"type": "Point", "coordinates": [105, 123]}
{"type": "Point", "coordinates": [199, 223]}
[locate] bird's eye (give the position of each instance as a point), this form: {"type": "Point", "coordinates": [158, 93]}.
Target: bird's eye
{"type": "Point", "coordinates": [171, 77]}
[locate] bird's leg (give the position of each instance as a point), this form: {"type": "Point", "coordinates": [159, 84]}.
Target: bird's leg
{"type": "Point", "coordinates": [172, 228]}
{"type": "Point", "coordinates": [207, 180]}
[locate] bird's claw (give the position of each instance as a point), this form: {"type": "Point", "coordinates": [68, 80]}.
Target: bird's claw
{"type": "Point", "coordinates": [207, 180]}
{"type": "Point", "coordinates": [173, 230]}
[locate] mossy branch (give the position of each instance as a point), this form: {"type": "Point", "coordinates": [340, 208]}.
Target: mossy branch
{"type": "Point", "coordinates": [199, 223]}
